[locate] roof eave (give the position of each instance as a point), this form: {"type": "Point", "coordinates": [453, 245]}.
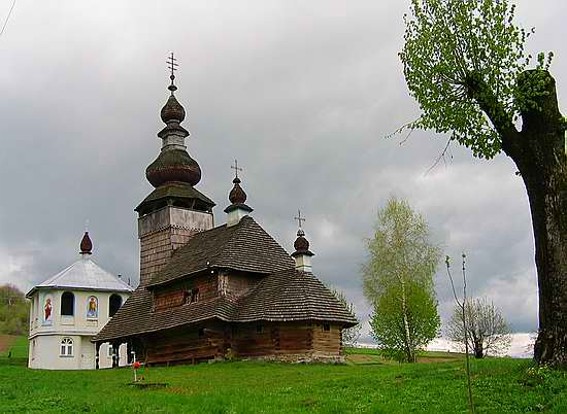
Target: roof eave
{"type": "Point", "coordinates": [81, 288]}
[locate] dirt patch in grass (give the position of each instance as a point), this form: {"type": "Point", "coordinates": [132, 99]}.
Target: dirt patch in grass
{"type": "Point", "coordinates": [365, 359]}
{"type": "Point", "coordinates": [5, 342]}
{"type": "Point", "coordinates": [435, 359]}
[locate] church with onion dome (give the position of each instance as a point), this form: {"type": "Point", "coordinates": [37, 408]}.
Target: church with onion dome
{"type": "Point", "coordinates": [69, 309]}
{"type": "Point", "coordinates": [212, 292]}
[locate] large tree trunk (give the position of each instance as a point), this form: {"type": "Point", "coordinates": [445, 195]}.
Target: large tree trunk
{"type": "Point", "coordinates": [539, 153]}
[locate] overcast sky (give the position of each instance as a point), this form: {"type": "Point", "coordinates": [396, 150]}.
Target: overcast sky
{"type": "Point", "coordinates": [302, 93]}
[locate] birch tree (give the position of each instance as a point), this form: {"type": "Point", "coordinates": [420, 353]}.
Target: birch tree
{"type": "Point", "coordinates": [465, 64]}
{"type": "Point", "coordinates": [398, 282]}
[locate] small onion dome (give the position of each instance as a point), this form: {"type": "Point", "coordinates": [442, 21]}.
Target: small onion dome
{"type": "Point", "coordinates": [172, 110]}
{"type": "Point", "coordinates": [301, 244]}
{"type": "Point", "coordinates": [173, 165]}
{"type": "Point", "coordinates": [86, 244]}
{"type": "Point", "coordinates": [237, 194]}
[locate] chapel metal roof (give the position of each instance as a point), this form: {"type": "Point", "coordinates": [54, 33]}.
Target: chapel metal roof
{"type": "Point", "coordinates": [84, 274]}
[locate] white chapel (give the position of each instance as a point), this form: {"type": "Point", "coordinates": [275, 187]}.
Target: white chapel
{"type": "Point", "coordinates": [68, 309]}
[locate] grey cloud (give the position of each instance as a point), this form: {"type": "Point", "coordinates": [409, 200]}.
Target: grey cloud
{"type": "Point", "coordinates": [302, 93]}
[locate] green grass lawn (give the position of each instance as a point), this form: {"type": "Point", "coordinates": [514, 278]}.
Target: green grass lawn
{"type": "Point", "coordinates": [377, 386]}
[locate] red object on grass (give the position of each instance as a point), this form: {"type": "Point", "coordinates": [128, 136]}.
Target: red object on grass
{"type": "Point", "coordinates": [136, 365]}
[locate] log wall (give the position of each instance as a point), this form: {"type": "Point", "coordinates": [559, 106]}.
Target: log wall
{"type": "Point", "coordinates": [186, 345]}
{"type": "Point", "coordinates": [287, 341]}
{"type": "Point", "coordinates": [277, 341]}
{"type": "Point", "coordinates": [196, 289]}
{"type": "Point", "coordinates": [327, 342]}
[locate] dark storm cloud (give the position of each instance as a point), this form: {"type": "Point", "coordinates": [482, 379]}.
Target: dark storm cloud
{"type": "Point", "coordinates": [302, 93]}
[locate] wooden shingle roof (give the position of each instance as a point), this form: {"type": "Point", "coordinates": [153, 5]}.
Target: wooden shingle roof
{"type": "Point", "coordinates": [245, 247]}
{"type": "Point", "coordinates": [292, 296]}
{"type": "Point", "coordinates": [283, 295]}
{"type": "Point", "coordinates": [135, 317]}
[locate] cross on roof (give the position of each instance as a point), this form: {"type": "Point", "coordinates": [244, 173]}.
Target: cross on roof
{"type": "Point", "coordinates": [236, 168]}
{"type": "Point", "coordinates": [172, 64]}
{"type": "Point", "coordinates": [299, 218]}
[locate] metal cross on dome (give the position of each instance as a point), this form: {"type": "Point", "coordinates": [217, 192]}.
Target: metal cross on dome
{"type": "Point", "coordinates": [299, 218]}
{"type": "Point", "coordinates": [172, 64]}
{"type": "Point", "coordinates": [236, 168]}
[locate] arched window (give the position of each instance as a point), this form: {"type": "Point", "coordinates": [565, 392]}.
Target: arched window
{"type": "Point", "coordinates": [66, 347]}
{"type": "Point", "coordinates": [67, 304]}
{"type": "Point", "coordinates": [114, 304]}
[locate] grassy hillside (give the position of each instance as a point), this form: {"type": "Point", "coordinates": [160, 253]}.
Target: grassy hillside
{"type": "Point", "coordinates": [13, 351]}
{"type": "Point", "coordinates": [366, 384]}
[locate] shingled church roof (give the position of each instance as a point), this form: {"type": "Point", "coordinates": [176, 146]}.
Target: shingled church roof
{"type": "Point", "coordinates": [245, 247]}
{"type": "Point", "coordinates": [285, 294]}
{"type": "Point", "coordinates": [292, 295]}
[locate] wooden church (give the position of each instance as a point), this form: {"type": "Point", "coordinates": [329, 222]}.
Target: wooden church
{"type": "Point", "coordinates": [211, 292]}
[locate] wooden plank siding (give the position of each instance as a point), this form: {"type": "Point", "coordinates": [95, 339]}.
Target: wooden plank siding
{"type": "Point", "coordinates": [285, 341]}
{"type": "Point", "coordinates": [187, 345]}
{"type": "Point", "coordinates": [182, 292]}
{"type": "Point", "coordinates": [327, 342]}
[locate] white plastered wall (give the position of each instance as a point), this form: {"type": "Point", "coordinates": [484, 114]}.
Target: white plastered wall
{"type": "Point", "coordinates": [46, 336]}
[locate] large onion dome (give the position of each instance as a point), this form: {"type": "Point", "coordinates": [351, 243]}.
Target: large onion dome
{"type": "Point", "coordinates": [173, 165]}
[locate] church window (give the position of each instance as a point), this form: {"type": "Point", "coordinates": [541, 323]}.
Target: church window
{"type": "Point", "coordinates": [115, 302]}
{"type": "Point", "coordinates": [195, 295]}
{"type": "Point", "coordinates": [259, 329]}
{"type": "Point", "coordinates": [201, 332]}
{"type": "Point", "coordinates": [66, 347]}
{"type": "Point", "coordinates": [326, 327]}
{"type": "Point", "coordinates": [67, 304]}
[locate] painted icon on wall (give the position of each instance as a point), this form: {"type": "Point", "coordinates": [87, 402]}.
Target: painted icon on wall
{"type": "Point", "coordinates": [48, 311]}
{"type": "Point", "coordinates": [92, 307]}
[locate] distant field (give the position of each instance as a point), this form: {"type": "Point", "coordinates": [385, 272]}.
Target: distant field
{"type": "Point", "coordinates": [367, 384]}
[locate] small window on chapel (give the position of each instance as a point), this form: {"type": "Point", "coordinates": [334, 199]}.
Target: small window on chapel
{"type": "Point", "coordinates": [67, 304]}
{"type": "Point", "coordinates": [259, 329]}
{"type": "Point", "coordinates": [114, 303]}
{"type": "Point", "coordinates": [201, 332]}
{"type": "Point", "coordinates": [66, 347]}
{"type": "Point", "coordinates": [326, 327]}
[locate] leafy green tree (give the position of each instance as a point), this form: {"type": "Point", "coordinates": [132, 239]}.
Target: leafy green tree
{"type": "Point", "coordinates": [398, 282]}
{"type": "Point", "coordinates": [465, 64]}
{"type": "Point", "coordinates": [349, 336]}
{"type": "Point", "coordinates": [14, 311]}
{"type": "Point", "coordinates": [488, 331]}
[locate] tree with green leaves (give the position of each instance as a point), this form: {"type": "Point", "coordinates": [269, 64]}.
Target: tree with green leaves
{"type": "Point", "coordinates": [398, 282]}
{"type": "Point", "coordinates": [488, 331]}
{"type": "Point", "coordinates": [14, 311]}
{"type": "Point", "coordinates": [465, 64]}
